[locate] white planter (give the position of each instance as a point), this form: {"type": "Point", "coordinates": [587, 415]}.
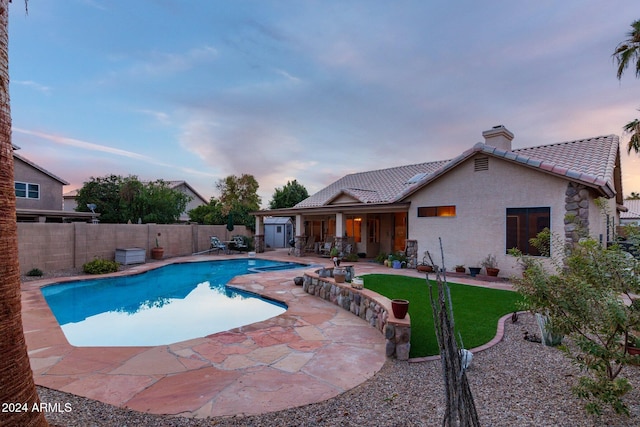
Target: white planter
{"type": "Point", "coordinates": [357, 283]}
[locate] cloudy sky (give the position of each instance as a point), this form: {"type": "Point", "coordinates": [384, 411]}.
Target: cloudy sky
{"type": "Point", "coordinates": [308, 90]}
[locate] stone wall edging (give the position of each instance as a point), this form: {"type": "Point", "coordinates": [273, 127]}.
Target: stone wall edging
{"type": "Point", "coordinates": [366, 304]}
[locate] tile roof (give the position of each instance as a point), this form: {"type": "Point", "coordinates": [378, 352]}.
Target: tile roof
{"type": "Point", "coordinates": [378, 186]}
{"type": "Point", "coordinates": [633, 211]}
{"type": "Point", "coordinates": [590, 161]}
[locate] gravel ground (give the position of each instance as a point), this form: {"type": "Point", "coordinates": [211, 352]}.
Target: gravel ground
{"type": "Point", "coordinates": [514, 383]}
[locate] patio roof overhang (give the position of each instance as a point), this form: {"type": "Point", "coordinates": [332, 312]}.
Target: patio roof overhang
{"type": "Point", "coordinates": [333, 209]}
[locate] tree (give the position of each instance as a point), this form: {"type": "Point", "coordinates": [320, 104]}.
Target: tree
{"type": "Point", "coordinates": [238, 197]}
{"type": "Point", "coordinates": [626, 53]}
{"type": "Point", "coordinates": [288, 196]}
{"type": "Point", "coordinates": [119, 200]}
{"type": "Point", "coordinates": [211, 213]}
{"type": "Point", "coordinates": [16, 377]}
{"type": "Point", "coordinates": [583, 300]}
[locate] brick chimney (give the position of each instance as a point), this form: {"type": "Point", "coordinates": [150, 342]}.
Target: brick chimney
{"type": "Point", "coordinates": [499, 137]}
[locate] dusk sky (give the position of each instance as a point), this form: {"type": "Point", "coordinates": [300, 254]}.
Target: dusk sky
{"type": "Point", "coordinates": [308, 90]}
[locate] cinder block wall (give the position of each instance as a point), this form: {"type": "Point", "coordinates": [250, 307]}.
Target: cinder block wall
{"type": "Point", "coordinates": [53, 246]}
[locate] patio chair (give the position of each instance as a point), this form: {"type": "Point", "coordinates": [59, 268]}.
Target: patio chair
{"type": "Point", "coordinates": [217, 245]}
{"type": "Point", "coordinates": [311, 244]}
{"type": "Point", "coordinates": [325, 249]}
{"type": "Point", "coordinates": [239, 244]}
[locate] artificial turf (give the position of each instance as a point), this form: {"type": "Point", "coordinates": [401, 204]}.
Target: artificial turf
{"type": "Point", "coordinates": [476, 310]}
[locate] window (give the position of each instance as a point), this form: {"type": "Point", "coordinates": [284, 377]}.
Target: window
{"type": "Point", "coordinates": [27, 191]}
{"type": "Point", "coordinates": [524, 224]}
{"type": "Point", "coordinates": [426, 211]}
{"type": "Point", "coordinates": [354, 228]}
{"type": "Point", "coordinates": [278, 229]}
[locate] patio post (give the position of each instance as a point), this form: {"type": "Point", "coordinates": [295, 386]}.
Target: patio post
{"type": "Point", "coordinates": [300, 238]}
{"type": "Point", "coordinates": [258, 238]}
{"type": "Point", "coordinates": [340, 240]}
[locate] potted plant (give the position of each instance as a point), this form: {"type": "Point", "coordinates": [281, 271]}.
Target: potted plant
{"type": "Point", "coordinates": [425, 267]}
{"type": "Point", "coordinates": [339, 274]}
{"type": "Point", "coordinates": [357, 282]}
{"type": "Point", "coordinates": [335, 256]}
{"type": "Point", "coordinates": [633, 344]}
{"type": "Point", "coordinates": [400, 307]}
{"type": "Point", "coordinates": [490, 264]}
{"type": "Point", "coordinates": [474, 271]}
{"type": "Point", "coordinates": [158, 251]}
{"type": "Point", "coordinates": [460, 268]}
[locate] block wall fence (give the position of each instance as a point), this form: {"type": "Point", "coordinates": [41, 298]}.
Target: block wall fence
{"type": "Point", "coordinates": [56, 246]}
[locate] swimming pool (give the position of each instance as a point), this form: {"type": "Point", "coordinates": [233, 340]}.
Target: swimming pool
{"type": "Point", "coordinates": [170, 304]}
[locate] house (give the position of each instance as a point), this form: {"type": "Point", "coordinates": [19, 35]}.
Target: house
{"type": "Point", "coordinates": [39, 193]}
{"type": "Point", "coordinates": [632, 215]}
{"type": "Point", "coordinates": [70, 202]}
{"type": "Point", "coordinates": [278, 231]}
{"type": "Point", "coordinates": [489, 199]}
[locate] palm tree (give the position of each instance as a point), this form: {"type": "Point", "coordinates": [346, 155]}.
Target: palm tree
{"type": "Point", "coordinates": [633, 127]}
{"type": "Point", "coordinates": [16, 378]}
{"type": "Point", "coordinates": [629, 50]}
{"type": "Point", "coordinates": [626, 53]}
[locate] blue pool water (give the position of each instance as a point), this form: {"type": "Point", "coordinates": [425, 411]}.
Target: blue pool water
{"type": "Point", "coordinates": [162, 306]}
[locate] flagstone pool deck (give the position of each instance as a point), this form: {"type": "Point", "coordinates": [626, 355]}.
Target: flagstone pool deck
{"type": "Point", "coordinates": [310, 353]}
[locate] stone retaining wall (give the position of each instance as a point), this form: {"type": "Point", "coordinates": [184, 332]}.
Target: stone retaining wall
{"type": "Point", "coordinates": [368, 305]}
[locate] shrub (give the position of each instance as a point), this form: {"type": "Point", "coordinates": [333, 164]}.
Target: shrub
{"type": "Point", "coordinates": [100, 266]}
{"type": "Point", "coordinates": [382, 256]}
{"type": "Point", "coordinates": [583, 300]}
{"type": "Point", "coordinates": [352, 257]}
{"type": "Point", "coordinates": [35, 272]}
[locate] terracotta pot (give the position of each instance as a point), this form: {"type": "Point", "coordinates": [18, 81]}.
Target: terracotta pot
{"type": "Point", "coordinates": [492, 271]}
{"type": "Point", "coordinates": [339, 275]}
{"type": "Point", "coordinates": [634, 351]}
{"type": "Point", "coordinates": [157, 253]}
{"type": "Point", "coordinates": [424, 268]}
{"type": "Point", "coordinates": [460, 269]}
{"type": "Point", "coordinates": [400, 307]}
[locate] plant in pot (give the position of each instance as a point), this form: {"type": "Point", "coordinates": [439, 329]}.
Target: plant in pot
{"type": "Point", "coordinates": [633, 344]}
{"type": "Point", "coordinates": [399, 260]}
{"type": "Point", "coordinates": [490, 264]}
{"type": "Point", "coordinates": [460, 268]}
{"type": "Point", "coordinates": [474, 271]}
{"type": "Point", "coordinates": [425, 266]}
{"type": "Point", "coordinates": [335, 256]}
{"type": "Point", "coordinates": [400, 307]}
{"type": "Point", "coordinates": [158, 251]}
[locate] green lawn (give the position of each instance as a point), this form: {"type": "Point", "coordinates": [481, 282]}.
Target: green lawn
{"type": "Point", "coordinates": [476, 310]}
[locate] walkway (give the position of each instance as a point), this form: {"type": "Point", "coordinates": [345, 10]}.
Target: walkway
{"type": "Point", "coordinates": [312, 352]}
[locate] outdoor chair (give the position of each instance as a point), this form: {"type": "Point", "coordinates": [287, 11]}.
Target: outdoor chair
{"type": "Point", "coordinates": [311, 244]}
{"type": "Point", "coordinates": [217, 245]}
{"type": "Point", "coordinates": [239, 244]}
{"type": "Point", "coordinates": [325, 249]}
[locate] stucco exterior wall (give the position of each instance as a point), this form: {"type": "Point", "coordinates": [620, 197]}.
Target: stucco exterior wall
{"type": "Point", "coordinates": [481, 199]}
{"type": "Point", "coordinates": [50, 188]}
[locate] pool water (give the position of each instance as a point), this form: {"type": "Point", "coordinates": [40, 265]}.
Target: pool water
{"type": "Point", "coordinates": [169, 304]}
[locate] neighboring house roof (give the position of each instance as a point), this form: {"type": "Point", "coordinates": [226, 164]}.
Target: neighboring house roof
{"type": "Point", "coordinates": [591, 162]}
{"type": "Point", "coordinates": [633, 209]}
{"type": "Point", "coordinates": [172, 184]}
{"type": "Point", "coordinates": [40, 168]}
{"type": "Point", "coordinates": [277, 220]}
{"type": "Point", "coordinates": [176, 184]}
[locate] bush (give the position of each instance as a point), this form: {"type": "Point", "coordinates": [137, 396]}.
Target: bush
{"type": "Point", "coordinates": [35, 272]}
{"type": "Point", "coordinates": [382, 256]}
{"type": "Point", "coordinates": [100, 266]}
{"type": "Point", "coordinates": [582, 300]}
